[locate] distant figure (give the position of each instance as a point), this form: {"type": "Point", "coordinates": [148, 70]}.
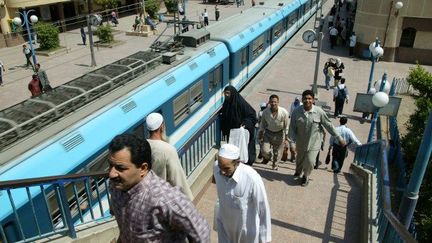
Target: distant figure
{"type": "Point", "coordinates": [180, 9]}
{"type": "Point", "coordinates": [114, 19]}
{"type": "Point", "coordinates": [34, 86]}
{"type": "Point", "coordinates": [340, 151]}
{"type": "Point", "coordinates": [243, 212]}
{"type": "Point", "coordinates": [136, 23]}
{"type": "Point", "coordinates": [238, 3]}
{"type": "Point", "coordinates": [206, 20]}
{"type": "Point", "coordinates": [340, 96]}
{"type": "Point", "coordinates": [253, 3]}
{"type": "Point", "coordinates": [217, 13]}
{"type": "Point", "coordinates": [236, 112]}
{"type": "Point", "coordinates": [83, 35]}
{"type": "Point", "coordinates": [305, 130]}
{"type": "Point", "coordinates": [338, 68]}
{"type": "Point", "coordinates": [185, 25]}
{"type": "Point", "coordinates": [43, 78]}
{"type": "Point", "coordinates": [27, 53]}
{"type": "Point", "coordinates": [150, 22]}
{"type": "Point", "coordinates": [273, 132]}
{"type": "Point", "coordinates": [333, 36]}
{"type": "Point", "coordinates": [2, 70]}
{"type": "Point", "coordinates": [147, 208]}
{"type": "Point", "coordinates": [329, 71]}
{"type": "Point", "coordinates": [352, 44]}
{"type": "Point", "coordinates": [201, 20]}
{"type": "Point", "coordinates": [165, 161]}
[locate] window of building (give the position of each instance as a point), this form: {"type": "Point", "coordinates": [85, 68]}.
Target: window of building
{"type": "Point", "coordinates": [408, 37]}
{"type": "Point", "coordinates": [258, 46]}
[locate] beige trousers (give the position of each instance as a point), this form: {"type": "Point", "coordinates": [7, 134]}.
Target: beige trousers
{"type": "Point", "coordinates": [273, 142]}
{"type": "Point", "coordinates": [305, 161]}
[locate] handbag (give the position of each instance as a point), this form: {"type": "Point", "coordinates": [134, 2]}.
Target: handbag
{"type": "Point", "coordinates": [240, 138]}
{"type": "Point", "coordinates": [327, 160]}
{"type": "Point", "coordinates": [285, 154]}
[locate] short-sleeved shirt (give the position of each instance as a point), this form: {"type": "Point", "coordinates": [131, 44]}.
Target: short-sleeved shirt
{"type": "Point", "coordinates": [274, 123]}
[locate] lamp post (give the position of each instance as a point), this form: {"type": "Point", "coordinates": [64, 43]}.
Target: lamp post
{"type": "Point", "coordinates": [33, 19]}
{"type": "Point", "coordinates": [375, 52]}
{"type": "Point", "coordinates": [379, 100]}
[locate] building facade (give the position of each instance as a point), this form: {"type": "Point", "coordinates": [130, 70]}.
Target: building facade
{"type": "Point", "coordinates": [405, 33]}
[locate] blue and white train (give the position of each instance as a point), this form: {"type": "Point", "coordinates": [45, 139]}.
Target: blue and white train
{"type": "Point", "coordinates": [187, 92]}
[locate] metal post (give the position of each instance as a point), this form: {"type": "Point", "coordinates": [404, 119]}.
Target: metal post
{"type": "Point", "coordinates": [314, 87]}
{"type": "Point", "coordinates": [90, 33]}
{"type": "Point", "coordinates": [375, 115]}
{"type": "Point", "coordinates": [373, 59]}
{"type": "Point", "coordinates": [409, 200]}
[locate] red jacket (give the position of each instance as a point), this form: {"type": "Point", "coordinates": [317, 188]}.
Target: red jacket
{"type": "Point", "coordinates": [34, 87]}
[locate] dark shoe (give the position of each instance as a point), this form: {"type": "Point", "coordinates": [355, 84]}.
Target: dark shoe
{"type": "Point", "coordinates": [296, 176]}
{"type": "Point", "coordinates": [265, 161]}
{"type": "Point", "coordinates": [305, 181]}
{"type": "Point", "coordinates": [275, 167]}
{"type": "Point", "coordinates": [259, 155]}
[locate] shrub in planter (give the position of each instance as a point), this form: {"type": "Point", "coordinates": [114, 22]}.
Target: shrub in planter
{"type": "Point", "coordinates": [48, 36]}
{"type": "Point", "coordinates": [104, 32]}
{"type": "Point", "coordinates": [152, 7]}
{"type": "Point", "coordinates": [171, 5]}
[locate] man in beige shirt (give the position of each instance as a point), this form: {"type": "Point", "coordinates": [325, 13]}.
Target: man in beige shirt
{"type": "Point", "coordinates": [273, 131]}
{"type": "Point", "coordinates": [166, 163]}
{"type": "Point", "coordinates": [305, 130]}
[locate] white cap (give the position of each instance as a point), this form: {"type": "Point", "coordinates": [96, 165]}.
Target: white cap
{"type": "Point", "coordinates": [154, 121]}
{"type": "Point", "coordinates": [263, 105]}
{"type": "Point", "coordinates": [229, 151]}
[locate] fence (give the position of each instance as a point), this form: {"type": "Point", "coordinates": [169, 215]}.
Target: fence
{"type": "Point", "coordinates": [403, 87]}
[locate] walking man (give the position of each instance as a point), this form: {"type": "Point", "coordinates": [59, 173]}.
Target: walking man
{"type": "Point", "coordinates": [206, 20]}
{"type": "Point", "coordinates": [236, 112]}
{"type": "Point", "coordinates": [273, 131]}
{"type": "Point", "coordinates": [217, 12]}
{"type": "Point", "coordinates": [244, 212]}
{"type": "Point", "coordinates": [333, 36]}
{"type": "Point", "coordinates": [165, 161]}
{"type": "Point", "coordinates": [339, 152]}
{"type": "Point", "coordinates": [352, 44]}
{"type": "Point", "coordinates": [83, 35]}
{"type": "Point", "coordinates": [340, 97]}
{"type": "Point", "coordinates": [27, 54]}
{"type": "Point", "coordinates": [2, 70]}
{"type": "Point", "coordinates": [306, 131]}
{"type": "Point", "coordinates": [43, 78]}
{"type": "Point", "coordinates": [146, 207]}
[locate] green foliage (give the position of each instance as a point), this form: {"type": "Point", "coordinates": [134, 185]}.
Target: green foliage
{"type": "Point", "coordinates": [106, 3]}
{"type": "Point", "coordinates": [152, 7]}
{"type": "Point", "coordinates": [171, 5]}
{"type": "Point", "coordinates": [104, 32]}
{"type": "Point", "coordinates": [421, 80]}
{"type": "Point", "coordinates": [48, 36]}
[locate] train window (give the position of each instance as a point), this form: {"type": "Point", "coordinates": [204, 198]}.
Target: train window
{"type": "Point", "coordinates": [196, 96]}
{"type": "Point", "coordinates": [187, 102]}
{"type": "Point", "coordinates": [243, 56]}
{"type": "Point", "coordinates": [215, 78]}
{"type": "Point", "coordinates": [258, 46]}
{"type": "Point", "coordinates": [278, 30]}
{"type": "Point", "coordinates": [292, 18]}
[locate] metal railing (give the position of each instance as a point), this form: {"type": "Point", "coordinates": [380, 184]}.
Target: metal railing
{"type": "Point", "coordinates": [402, 86]}
{"type": "Point", "coordinates": [58, 205]}
{"type": "Point", "coordinates": [373, 156]}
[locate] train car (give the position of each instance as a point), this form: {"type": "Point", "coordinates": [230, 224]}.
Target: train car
{"type": "Point", "coordinates": [187, 92]}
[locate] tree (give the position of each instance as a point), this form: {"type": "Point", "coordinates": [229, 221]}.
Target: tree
{"type": "Point", "coordinates": [106, 4]}
{"type": "Point", "coordinates": [104, 32]}
{"type": "Point", "coordinates": [48, 35]}
{"type": "Point", "coordinates": [171, 5]}
{"type": "Point", "coordinates": [152, 7]}
{"type": "Point", "coordinates": [421, 80]}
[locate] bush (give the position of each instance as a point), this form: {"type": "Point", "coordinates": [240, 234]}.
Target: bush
{"type": "Point", "coordinates": [171, 5]}
{"type": "Point", "coordinates": [421, 80]}
{"type": "Point", "coordinates": [104, 32]}
{"type": "Point", "coordinates": [48, 36]}
{"type": "Point", "coordinates": [152, 7]}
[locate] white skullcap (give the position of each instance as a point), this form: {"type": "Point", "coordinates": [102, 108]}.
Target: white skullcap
{"type": "Point", "coordinates": [263, 105]}
{"type": "Point", "coordinates": [229, 151]}
{"type": "Point", "coordinates": [154, 121]}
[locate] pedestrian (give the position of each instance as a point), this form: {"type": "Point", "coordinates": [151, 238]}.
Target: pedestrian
{"type": "Point", "coordinates": [238, 3]}
{"type": "Point", "coordinates": [333, 36]}
{"type": "Point", "coordinates": [243, 209]}
{"type": "Point", "coordinates": [305, 130]}
{"type": "Point", "coordinates": [340, 152]}
{"type": "Point", "coordinates": [236, 112]}
{"type": "Point", "coordinates": [329, 72]}
{"type": "Point", "coordinates": [217, 12]}
{"type": "Point", "coordinates": [273, 131]}
{"type": "Point", "coordinates": [114, 19]}
{"type": "Point", "coordinates": [83, 35]}
{"type": "Point", "coordinates": [165, 161]}
{"type": "Point", "coordinates": [34, 86]}
{"type": "Point", "coordinates": [27, 54]}
{"type": "Point", "coordinates": [201, 20]}
{"type": "Point", "coordinates": [291, 144]}
{"type": "Point", "coordinates": [43, 78]}
{"type": "Point", "coordinates": [136, 23]}
{"type": "Point", "coordinates": [330, 19]}
{"type": "Point", "coordinates": [180, 9]}
{"type": "Point", "coordinates": [205, 15]}
{"type": "Point", "coordinates": [338, 68]}
{"type": "Point", "coordinates": [146, 207]}
{"type": "Point", "coordinates": [340, 97]}
{"type": "Point", "coordinates": [352, 44]}
{"type": "Point", "coordinates": [253, 3]}
{"type": "Point", "coordinates": [2, 70]}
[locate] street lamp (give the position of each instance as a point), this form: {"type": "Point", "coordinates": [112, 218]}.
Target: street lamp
{"type": "Point", "coordinates": [376, 52]}
{"type": "Point", "coordinates": [379, 100]}
{"type": "Point", "coordinates": [33, 20]}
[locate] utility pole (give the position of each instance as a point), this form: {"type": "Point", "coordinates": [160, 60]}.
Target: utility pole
{"type": "Point", "coordinates": [90, 33]}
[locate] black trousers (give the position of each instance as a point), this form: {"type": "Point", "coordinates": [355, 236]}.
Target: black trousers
{"type": "Point", "coordinates": [339, 104]}
{"type": "Point", "coordinates": [338, 157]}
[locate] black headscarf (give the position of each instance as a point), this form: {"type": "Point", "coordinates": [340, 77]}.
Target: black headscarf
{"type": "Point", "coordinates": [236, 112]}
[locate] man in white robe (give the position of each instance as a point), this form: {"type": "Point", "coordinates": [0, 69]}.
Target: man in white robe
{"type": "Point", "coordinates": [243, 213]}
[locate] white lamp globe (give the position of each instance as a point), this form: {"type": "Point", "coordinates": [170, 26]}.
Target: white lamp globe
{"type": "Point", "coordinates": [386, 89]}
{"type": "Point", "coordinates": [17, 20]}
{"type": "Point", "coordinates": [380, 99]}
{"type": "Point", "coordinates": [379, 51]}
{"type": "Point", "coordinates": [34, 19]}
{"type": "Point", "coordinates": [398, 5]}
{"type": "Point", "coordinates": [372, 47]}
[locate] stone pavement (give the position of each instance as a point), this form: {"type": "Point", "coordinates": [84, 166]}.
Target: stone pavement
{"type": "Point", "coordinates": [328, 210]}
{"type": "Point", "coordinates": [64, 67]}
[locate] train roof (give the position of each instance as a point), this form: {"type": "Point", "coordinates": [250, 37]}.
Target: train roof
{"type": "Point", "coordinates": [130, 67]}
{"type": "Point", "coordinates": [239, 30]}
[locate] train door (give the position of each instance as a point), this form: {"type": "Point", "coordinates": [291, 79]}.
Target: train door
{"type": "Point", "coordinates": [244, 67]}
{"type": "Point", "coordinates": [215, 86]}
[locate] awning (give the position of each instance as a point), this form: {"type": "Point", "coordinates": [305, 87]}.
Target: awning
{"type": "Point", "coordinates": [29, 4]}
